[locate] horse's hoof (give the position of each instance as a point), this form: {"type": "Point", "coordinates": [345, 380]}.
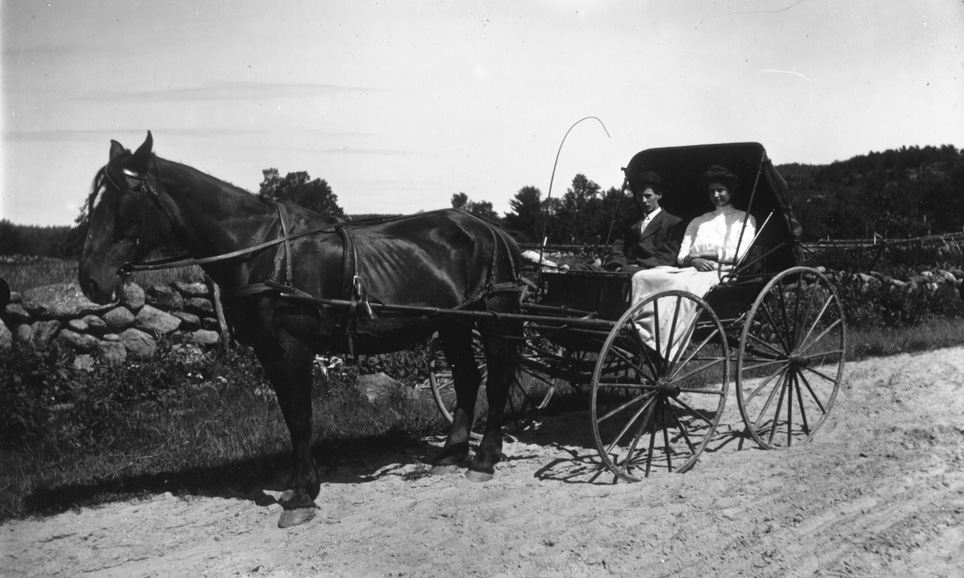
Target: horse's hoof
{"type": "Point", "coordinates": [475, 476]}
{"type": "Point", "coordinates": [296, 517]}
{"type": "Point", "coordinates": [444, 470]}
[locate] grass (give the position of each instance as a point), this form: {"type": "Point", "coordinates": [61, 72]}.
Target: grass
{"type": "Point", "coordinates": [22, 273]}
{"type": "Point", "coordinates": [936, 333]}
{"type": "Point", "coordinates": [73, 438]}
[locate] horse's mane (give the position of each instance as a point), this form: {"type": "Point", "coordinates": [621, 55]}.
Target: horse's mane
{"type": "Point", "coordinates": [85, 211]}
{"type": "Point", "coordinates": [162, 164]}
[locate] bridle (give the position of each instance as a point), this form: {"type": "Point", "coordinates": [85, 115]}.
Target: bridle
{"type": "Point", "coordinates": [147, 226]}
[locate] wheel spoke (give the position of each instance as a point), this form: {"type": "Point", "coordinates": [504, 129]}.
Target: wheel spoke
{"type": "Point", "coordinates": [807, 344]}
{"type": "Point", "coordinates": [747, 368]}
{"type": "Point", "coordinates": [773, 324]}
{"type": "Point", "coordinates": [672, 328]}
{"type": "Point", "coordinates": [749, 397]}
{"type": "Point", "coordinates": [824, 354]}
{"type": "Point", "coordinates": [765, 344]}
{"type": "Point", "coordinates": [679, 366]}
{"type": "Point", "coordinates": [816, 321]}
{"type": "Point", "coordinates": [647, 409]}
{"type": "Point", "coordinates": [776, 414]}
{"type": "Point", "coordinates": [803, 410]}
{"type": "Point", "coordinates": [646, 398]}
{"type": "Point", "coordinates": [790, 385]}
{"type": "Point", "coordinates": [649, 452]}
{"type": "Point", "coordinates": [811, 296]}
{"type": "Point", "coordinates": [821, 374]}
{"type": "Point", "coordinates": [700, 369]}
{"type": "Point", "coordinates": [773, 393]}
{"type": "Point", "coordinates": [650, 363]}
{"type": "Point", "coordinates": [788, 332]}
{"type": "Point", "coordinates": [682, 428]}
{"type": "Point", "coordinates": [813, 394]}
{"type": "Point", "coordinates": [639, 386]}
{"type": "Point", "coordinates": [691, 328]}
{"type": "Point", "coordinates": [796, 306]}
{"type": "Point", "coordinates": [655, 325]}
{"type": "Point", "coordinates": [669, 451]}
{"type": "Point", "coordinates": [698, 413]}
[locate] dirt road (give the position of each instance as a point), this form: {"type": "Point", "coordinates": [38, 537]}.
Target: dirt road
{"type": "Point", "coordinates": [880, 492]}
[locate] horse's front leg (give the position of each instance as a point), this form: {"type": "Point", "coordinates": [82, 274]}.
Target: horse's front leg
{"type": "Point", "coordinates": [287, 363]}
{"type": "Point", "coordinates": [457, 346]}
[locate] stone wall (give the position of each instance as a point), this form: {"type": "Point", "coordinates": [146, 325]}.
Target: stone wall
{"type": "Point", "coordinates": [60, 316]}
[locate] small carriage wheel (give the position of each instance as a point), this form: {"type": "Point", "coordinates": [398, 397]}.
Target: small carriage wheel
{"type": "Point", "coordinates": [791, 358]}
{"type": "Point", "coordinates": [655, 406]}
{"type": "Point", "coordinates": [529, 392]}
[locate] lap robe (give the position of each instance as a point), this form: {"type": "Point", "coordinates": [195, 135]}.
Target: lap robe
{"type": "Point", "coordinates": [650, 281]}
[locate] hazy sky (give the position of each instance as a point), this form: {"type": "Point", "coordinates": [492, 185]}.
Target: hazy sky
{"type": "Point", "coordinates": [401, 104]}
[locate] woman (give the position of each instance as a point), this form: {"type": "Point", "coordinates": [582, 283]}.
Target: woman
{"type": "Point", "coordinates": [712, 245]}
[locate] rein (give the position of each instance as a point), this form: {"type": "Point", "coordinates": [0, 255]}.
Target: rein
{"type": "Point", "coordinates": [181, 261]}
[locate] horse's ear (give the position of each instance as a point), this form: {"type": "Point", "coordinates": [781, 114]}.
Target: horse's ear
{"type": "Point", "coordinates": [142, 156]}
{"type": "Point", "coordinates": [116, 150]}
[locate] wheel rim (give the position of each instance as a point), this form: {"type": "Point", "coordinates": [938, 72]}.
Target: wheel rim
{"type": "Point", "coordinates": [791, 358]}
{"type": "Point", "coordinates": [528, 393]}
{"type": "Point", "coordinates": [655, 412]}
{"type": "Point", "coordinates": [443, 388]}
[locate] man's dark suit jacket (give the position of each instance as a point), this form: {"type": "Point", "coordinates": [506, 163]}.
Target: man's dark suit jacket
{"type": "Point", "coordinates": [657, 245]}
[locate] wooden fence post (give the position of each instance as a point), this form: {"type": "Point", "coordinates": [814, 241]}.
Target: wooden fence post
{"type": "Point", "coordinates": [219, 310]}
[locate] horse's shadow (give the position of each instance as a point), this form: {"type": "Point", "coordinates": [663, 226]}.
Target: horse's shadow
{"type": "Point", "coordinates": [353, 461]}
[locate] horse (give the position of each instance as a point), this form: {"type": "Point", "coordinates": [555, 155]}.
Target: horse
{"type": "Point", "coordinates": [296, 284]}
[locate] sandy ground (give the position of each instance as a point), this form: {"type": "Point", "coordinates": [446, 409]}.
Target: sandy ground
{"type": "Point", "coordinates": [880, 492]}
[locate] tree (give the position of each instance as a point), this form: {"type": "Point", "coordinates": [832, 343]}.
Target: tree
{"type": "Point", "coordinates": [578, 219]}
{"type": "Point", "coordinates": [300, 189]}
{"type": "Point", "coordinates": [526, 218]}
{"type": "Point", "coordinates": [482, 208]}
{"type": "Point", "coordinates": [460, 200]}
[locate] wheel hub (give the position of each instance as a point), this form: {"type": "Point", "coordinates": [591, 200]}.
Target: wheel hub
{"type": "Point", "coordinates": [799, 361]}
{"type": "Point", "coordinates": [667, 388]}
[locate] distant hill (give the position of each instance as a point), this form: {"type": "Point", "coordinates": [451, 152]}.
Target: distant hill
{"type": "Point", "coordinates": [901, 193]}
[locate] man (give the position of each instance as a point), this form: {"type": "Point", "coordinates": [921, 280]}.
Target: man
{"type": "Point", "coordinates": [654, 240]}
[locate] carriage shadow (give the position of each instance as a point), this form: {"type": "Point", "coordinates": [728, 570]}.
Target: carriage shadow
{"type": "Point", "coordinates": [570, 434]}
{"type": "Point", "coordinates": [355, 461]}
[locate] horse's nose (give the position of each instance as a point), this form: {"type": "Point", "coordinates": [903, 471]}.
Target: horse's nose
{"type": "Point", "coordinates": [90, 287]}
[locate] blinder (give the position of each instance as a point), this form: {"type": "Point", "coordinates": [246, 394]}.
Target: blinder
{"type": "Point", "coordinates": [141, 217]}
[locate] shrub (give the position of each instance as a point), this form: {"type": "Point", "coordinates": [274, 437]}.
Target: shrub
{"type": "Point", "coordinates": [884, 304]}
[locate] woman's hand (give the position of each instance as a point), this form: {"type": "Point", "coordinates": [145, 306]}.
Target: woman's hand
{"type": "Point", "coordinates": [702, 264]}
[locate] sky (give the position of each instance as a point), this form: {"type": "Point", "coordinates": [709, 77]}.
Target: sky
{"type": "Point", "coordinates": [399, 105]}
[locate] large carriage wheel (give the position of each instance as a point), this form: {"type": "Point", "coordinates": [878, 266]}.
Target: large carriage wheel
{"type": "Point", "coordinates": [656, 402]}
{"type": "Point", "coordinates": [529, 392]}
{"type": "Point", "coordinates": [791, 358]}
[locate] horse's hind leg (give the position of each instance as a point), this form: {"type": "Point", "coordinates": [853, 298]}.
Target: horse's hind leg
{"type": "Point", "coordinates": [502, 358]}
{"type": "Point", "coordinates": [287, 363]}
{"type": "Point", "coordinates": [457, 346]}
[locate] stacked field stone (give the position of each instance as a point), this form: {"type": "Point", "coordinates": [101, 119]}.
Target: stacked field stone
{"type": "Point", "coordinates": [60, 316]}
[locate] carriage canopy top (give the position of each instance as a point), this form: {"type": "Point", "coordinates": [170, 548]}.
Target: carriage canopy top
{"type": "Point", "coordinates": [761, 190]}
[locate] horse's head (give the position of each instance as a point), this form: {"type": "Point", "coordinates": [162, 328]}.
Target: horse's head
{"type": "Point", "coordinates": [125, 219]}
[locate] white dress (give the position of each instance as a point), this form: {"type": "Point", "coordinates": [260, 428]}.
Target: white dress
{"type": "Point", "coordinates": [717, 231]}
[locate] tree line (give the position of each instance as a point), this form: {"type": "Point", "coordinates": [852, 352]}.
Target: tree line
{"type": "Point", "coordinates": [897, 193]}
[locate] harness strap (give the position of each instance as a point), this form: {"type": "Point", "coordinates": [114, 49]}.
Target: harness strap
{"type": "Point", "coordinates": [351, 287]}
{"type": "Point", "coordinates": [288, 271]}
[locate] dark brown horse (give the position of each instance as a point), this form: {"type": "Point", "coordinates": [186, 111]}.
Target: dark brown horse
{"type": "Point", "coordinates": [256, 249]}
